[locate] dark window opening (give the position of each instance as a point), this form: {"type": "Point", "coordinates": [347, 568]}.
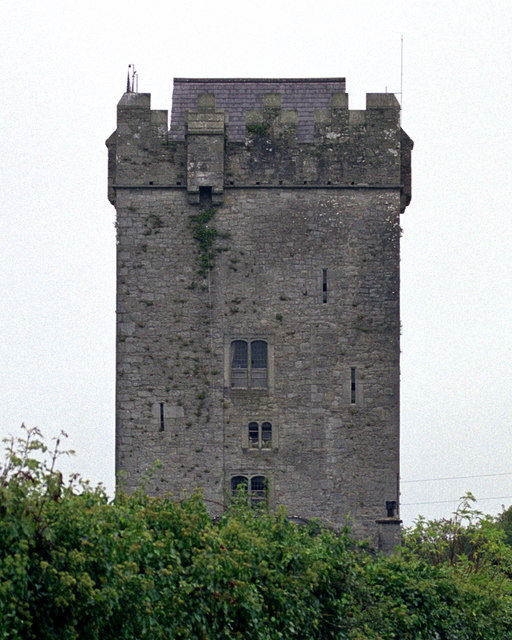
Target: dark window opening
{"type": "Point", "coordinates": [239, 485]}
{"type": "Point", "coordinates": [249, 363]}
{"type": "Point", "coordinates": [256, 488]}
{"type": "Point", "coordinates": [353, 385]}
{"type": "Point", "coordinates": [391, 508]}
{"type": "Point", "coordinates": [254, 435]}
{"type": "Point", "coordinates": [205, 197]}
{"type": "Point", "coordinates": [266, 435]}
{"type": "Point", "coordinates": [239, 363]}
{"type": "Point", "coordinates": [258, 492]}
{"type": "Point", "coordinates": [260, 435]}
{"type": "Point", "coordinates": [259, 354]}
{"type": "Point", "coordinates": [239, 354]}
{"type": "Point", "coordinates": [162, 424]}
{"type": "Point", "coordinates": [259, 363]}
{"type": "Point", "coordinates": [324, 285]}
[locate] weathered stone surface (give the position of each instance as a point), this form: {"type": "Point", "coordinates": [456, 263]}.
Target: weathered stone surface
{"type": "Point", "coordinates": [308, 196]}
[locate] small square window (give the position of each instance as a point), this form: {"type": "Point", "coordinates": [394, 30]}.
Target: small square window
{"type": "Point", "coordinates": [259, 435]}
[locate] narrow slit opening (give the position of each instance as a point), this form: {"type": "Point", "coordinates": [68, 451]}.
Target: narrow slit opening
{"type": "Point", "coordinates": [162, 422]}
{"type": "Point", "coordinates": [352, 385]}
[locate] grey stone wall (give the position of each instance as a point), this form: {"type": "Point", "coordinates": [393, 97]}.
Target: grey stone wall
{"type": "Point", "coordinates": [298, 223]}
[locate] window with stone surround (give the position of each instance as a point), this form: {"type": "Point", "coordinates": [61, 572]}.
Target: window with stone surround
{"type": "Point", "coordinates": [260, 435]}
{"type": "Point", "coordinates": [249, 364]}
{"type": "Point", "coordinates": [254, 487]}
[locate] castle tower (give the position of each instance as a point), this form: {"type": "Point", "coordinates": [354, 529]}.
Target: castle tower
{"type": "Point", "coordinates": [258, 296]}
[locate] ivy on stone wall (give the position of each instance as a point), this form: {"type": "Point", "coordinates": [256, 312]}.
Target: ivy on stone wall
{"type": "Point", "coordinates": [205, 235]}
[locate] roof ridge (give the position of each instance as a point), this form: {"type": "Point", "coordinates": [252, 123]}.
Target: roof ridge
{"type": "Point", "coordinates": [247, 80]}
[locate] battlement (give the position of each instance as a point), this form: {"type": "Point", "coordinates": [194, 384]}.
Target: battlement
{"type": "Point", "coordinates": [260, 132]}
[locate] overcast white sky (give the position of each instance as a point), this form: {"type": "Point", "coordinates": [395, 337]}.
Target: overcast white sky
{"type": "Point", "coordinates": [63, 72]}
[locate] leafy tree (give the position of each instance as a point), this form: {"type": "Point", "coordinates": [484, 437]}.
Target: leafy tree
{"type": "Point", "coordinates": [504, 523]}
{"type": "Point", "coordinates": [470, 543]}
{"type": "Point", "coordinates": [76, 565]}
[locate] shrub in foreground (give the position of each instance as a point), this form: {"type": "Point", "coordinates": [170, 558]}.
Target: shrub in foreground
{"type": "Point", "coordinates": [76, 565]}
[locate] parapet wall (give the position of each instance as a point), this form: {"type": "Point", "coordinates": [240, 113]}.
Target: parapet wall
{"type": "Point", "coordinates": [260, 147]}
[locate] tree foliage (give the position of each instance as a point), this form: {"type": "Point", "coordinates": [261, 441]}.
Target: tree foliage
{"type": "Point", "coordinates": [75, 564]}
{"type": "Point", "coordinates": [505, 524]}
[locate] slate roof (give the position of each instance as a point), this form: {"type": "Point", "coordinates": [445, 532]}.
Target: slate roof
{"type": "Point", "coordinates": [238, 95]}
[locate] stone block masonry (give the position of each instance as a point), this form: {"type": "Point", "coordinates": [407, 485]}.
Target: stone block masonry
{"type": "Point", "coordinates": [258, 297]}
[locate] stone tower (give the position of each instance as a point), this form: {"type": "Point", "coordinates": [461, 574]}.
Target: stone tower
{"type": "Point", "coordinates": [258, 296]}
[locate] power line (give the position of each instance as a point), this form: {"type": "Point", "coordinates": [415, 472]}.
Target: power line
{"type": "Point", "coordinates": [483, 475]}
{"type": "Point", "coordinates": [411, 504]}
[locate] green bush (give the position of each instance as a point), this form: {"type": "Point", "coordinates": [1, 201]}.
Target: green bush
{"type": "Point", "coordinates": [76, 565]}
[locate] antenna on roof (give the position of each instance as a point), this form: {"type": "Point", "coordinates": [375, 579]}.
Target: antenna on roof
{"type": "Point", "coordinates": [401, 92]}
{"type": "Point", "coordinates": [132, 83]}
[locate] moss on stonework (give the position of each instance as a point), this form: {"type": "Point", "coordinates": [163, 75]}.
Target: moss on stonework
{"type": "Point", "coordinates": [153, 224]}
{"type": "Point", "coordinates": [258, 129]}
